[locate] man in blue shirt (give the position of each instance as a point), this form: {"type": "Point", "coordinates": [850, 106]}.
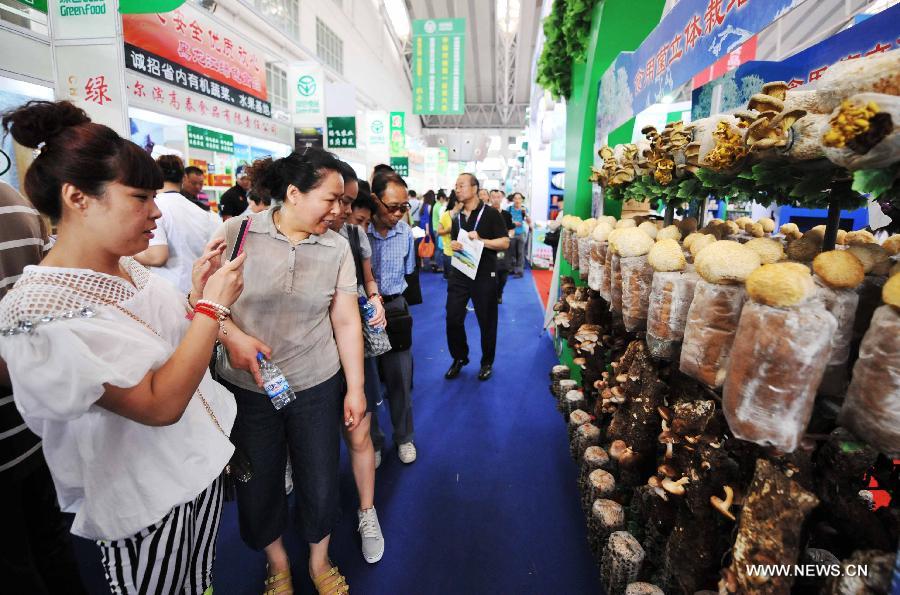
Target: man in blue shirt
{"type": "Point", "coordinates": [394, 257]}
{"type": "Point", "coordinates": [519, 243]}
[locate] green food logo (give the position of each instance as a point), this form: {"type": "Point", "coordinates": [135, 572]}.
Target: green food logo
{"type": "Point", "coordinates": [306, 85]}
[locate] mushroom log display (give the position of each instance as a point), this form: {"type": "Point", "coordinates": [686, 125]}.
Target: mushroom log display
{"type": "Point", "coordinates": [741, 425]}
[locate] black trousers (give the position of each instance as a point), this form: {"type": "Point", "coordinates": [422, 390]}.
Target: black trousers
{"type": "Point", "coordinates": [36, 553]}
{"type": "Point", "coordinates": [483, 292]}
{"type": "Point", "coordinates": [502, 276]}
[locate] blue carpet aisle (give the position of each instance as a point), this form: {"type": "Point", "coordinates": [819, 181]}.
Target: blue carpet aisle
{"type": "Point", "coordinates": [491, 504]}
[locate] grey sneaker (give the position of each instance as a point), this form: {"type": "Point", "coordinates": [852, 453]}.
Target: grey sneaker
{"type": "Point", "coordinates": [407, 452]}
{"type": "Point", "coordinates": [370, 532]}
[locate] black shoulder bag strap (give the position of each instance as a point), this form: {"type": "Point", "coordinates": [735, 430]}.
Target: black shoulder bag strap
{"type": "Point", "coordinates": [356, 250]}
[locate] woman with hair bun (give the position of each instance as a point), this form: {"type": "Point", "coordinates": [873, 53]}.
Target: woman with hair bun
{"type": "Point", "coordinates": [300, 309]}
{"type": "Point", "coordinates": [106, 367]}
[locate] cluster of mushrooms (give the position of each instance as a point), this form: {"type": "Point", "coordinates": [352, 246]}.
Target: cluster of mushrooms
{"type": "Point", "coordinates": [852, 118]}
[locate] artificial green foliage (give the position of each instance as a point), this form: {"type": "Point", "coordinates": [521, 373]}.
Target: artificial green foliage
{"type": "Point", "coordinates": [877, 182]}
{"type": "Point", "coordinates": [554, 69]}
{"type": "Point", "coordinates": [576, 27]}
{"type": "Point", "coordinates": [566, 33]}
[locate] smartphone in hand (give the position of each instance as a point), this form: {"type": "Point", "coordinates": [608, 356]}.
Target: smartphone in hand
{"type": "Point", "coordinates": [241, 238]}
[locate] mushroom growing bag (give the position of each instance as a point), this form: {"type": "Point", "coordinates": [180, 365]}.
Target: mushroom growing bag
{"type": "Point", "coordinates": [597, 273]}
{"type": "Point", "coordinates": [722, 148]}
{"type": "Point", "coordinates": [712, 322]}
{"type": "Point", "coordinates": [872, 407]}
{"type": "Point", "coordinates": [606, 278]}
{"type": "Point", "coordinates": [615, 282]}
{"type": "Point", "coordinates": [584, 257]}
{"type": "Point", "coordinates": [776, 365]}
{"type": "Point", "coordinates": [671, 294]}
{"type": "Point", "coordinates": [842, 304]}
{"type": "Point", "coordinates": [879, 146]}
{"type": "Point", "coordinates": [637, 279]}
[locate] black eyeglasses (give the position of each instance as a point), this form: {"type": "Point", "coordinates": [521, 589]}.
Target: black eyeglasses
{"type": "Point", "coordinates": [401, 208]}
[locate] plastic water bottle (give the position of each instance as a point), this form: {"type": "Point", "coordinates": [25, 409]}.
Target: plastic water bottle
{"type": "Point", "coordinates": [274, 383]}
{"type": "Point", "coordinates": [368, 310]}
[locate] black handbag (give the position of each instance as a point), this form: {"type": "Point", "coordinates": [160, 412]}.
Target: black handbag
{"type": "Point", "coordinates": [413, 292]}
{"type": "Point", "coordinates": [399, 328]}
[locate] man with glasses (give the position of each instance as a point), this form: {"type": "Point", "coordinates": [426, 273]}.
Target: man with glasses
{"type": "Point", "coordinates": [394, 257]}
{"type": "Point", "coordinates": [485, 224]}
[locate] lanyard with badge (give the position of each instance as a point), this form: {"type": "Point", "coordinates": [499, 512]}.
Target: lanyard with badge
{"type": "Point", "coordinates": [477, 219]}
{"type": "Point", "coordinates": [467, 259]}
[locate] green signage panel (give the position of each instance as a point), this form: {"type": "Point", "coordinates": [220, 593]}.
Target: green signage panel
{"type": "Point", "coordinates": [39, 5]}
{"type": "Point", "coordinates": [400, 165]}
{"type": "Point", "coordinates": [398, 134]}
{"type": "Point", "coordinates": [438, 65]}
{"type": "Point", "coordinates": [443, 160]}
{"type": "Point", "coordinates": [341, 132]}
{"type": "Point", "coordinates": [209, 140]}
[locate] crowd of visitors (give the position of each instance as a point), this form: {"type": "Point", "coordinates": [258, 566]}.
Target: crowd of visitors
{"type": "Point", "coordinates": [297, 288]}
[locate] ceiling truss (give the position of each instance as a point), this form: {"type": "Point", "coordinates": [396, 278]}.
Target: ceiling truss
{"type": "Point", "coordinates": [481, 115]}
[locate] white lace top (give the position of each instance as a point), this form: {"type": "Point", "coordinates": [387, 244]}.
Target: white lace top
{"type": "Point", "coordinates": [62, 339]}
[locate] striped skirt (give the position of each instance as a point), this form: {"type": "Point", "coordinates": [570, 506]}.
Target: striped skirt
{"type": "Point", "coordinates": [173, 556]}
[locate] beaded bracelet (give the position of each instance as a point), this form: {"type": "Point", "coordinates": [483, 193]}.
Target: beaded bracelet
{"type": "Point", "coordinates": [206, 312]}
{"type": "Point", "coordinates": [215, 311]}
{"type": "Point", "coordinates": [219, 308]}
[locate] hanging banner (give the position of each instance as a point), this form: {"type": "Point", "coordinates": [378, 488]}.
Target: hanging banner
{"type": "Point", "coordinates": [189, 50]}
{"type": "Point", "coordinates": [163, 98]}
{"type": "Point", "coordinates": [879, 33]}
{"type": "Point", "coordinates": [342, 132]}
{"type": "Point", "coordinates": [88, 60]}
{"type": "Point", "coordinates": [306, 82]}
{"type": "Point", "coordinates": [376, 129]}
{"type": "Point", "coordinates": [438, 66]}
{"type": "Point", "coordinates": [88, 76]}
{"type": "Point", "coordinates": [442, 159]}
{"type": "Point", "coordinates": [308, 137]}
{"type": "Point", "coordinates": [691, 37]}
{"type": "Point", "coordinates": [727, 63]}
{"type": "Point", "coordinates": [400, 165]}
{"type": "Point", "coordinates": [398, 134]}
{"type": "Point", "coordinates": [82, 19]}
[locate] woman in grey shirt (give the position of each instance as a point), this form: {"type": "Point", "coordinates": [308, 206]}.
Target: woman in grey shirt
{"type": "Point", "coordinates": [299, 309]}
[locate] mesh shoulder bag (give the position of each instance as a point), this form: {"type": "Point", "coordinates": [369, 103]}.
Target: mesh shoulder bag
{"type": "Point", "coordinates": [375, 342]}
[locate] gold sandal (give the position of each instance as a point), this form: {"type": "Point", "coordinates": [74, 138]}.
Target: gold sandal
{"type": "Point", "coordinates": [337, 585]}
{"type": "Point", "coordinates": [276, 585]}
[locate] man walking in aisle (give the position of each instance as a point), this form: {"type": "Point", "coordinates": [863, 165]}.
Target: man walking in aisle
{"type": "Point", "coordinates": [504, 257]}
{"type": "Point", "coordinates": [394, 257]}
{"type": "Point", "coordinates": [483, 224]}
{"type": "Point", "coordinates": [519, 241]}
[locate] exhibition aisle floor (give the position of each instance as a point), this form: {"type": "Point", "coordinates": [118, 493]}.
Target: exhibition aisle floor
{"type": "Point", "coordinates": [491, 504]}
